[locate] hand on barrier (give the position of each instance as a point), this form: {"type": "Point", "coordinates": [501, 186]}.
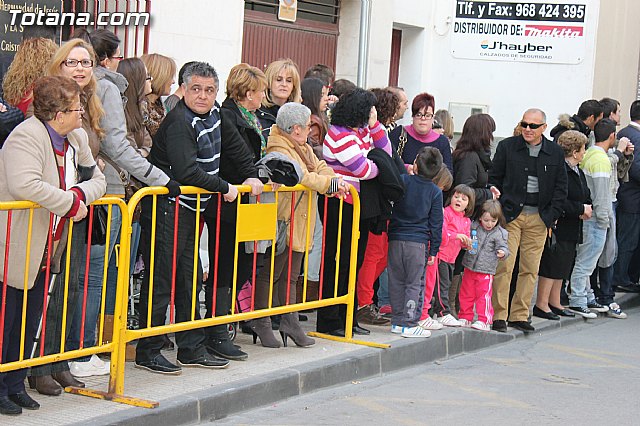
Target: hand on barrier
{"type": "Point", "coordinates": [256, 186]}
{"type": "Point", "coordinates": [173, 187]}
{"type": "Point", "coordinates": [81, 213]}
{"type": "Point", "coordinates": [231, 195]}
{"type": "Point", "coordinates": [275, 186]}
{"type": "Point", "coordinates": [343, 189]}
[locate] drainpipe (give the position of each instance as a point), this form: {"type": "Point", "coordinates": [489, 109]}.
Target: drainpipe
{"type": "Point", "coordinates": [363, 47]}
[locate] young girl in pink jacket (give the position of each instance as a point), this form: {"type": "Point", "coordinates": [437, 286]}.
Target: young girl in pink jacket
{"type": "Point", "coordinates": [455, 237]}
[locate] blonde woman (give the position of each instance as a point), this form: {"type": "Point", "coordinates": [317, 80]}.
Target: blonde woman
{"type": "Point", "coordinates": [27, 66]}
{"type": "Point", "coordinates": [283, 85]}
{"type": "Point", "coordinates": [162, 71]}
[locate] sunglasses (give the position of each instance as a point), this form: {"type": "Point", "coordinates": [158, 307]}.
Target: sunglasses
{"type": "Point", "coordinates": [532, 126]}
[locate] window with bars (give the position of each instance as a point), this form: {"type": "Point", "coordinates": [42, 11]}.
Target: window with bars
{"type": "Point", "coordinates": [326, 11]}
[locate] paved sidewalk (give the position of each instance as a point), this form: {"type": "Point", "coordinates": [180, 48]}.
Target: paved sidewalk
{"type": "Point", "coordinates": [268, 376]}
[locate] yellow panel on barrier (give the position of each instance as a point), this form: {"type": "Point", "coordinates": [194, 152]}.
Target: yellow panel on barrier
{"type": "Point", "coordinates": [257, 221]}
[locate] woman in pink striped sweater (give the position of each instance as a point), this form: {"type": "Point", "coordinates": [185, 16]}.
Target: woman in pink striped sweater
{"type": "Point", "coordinates": [354, 132]}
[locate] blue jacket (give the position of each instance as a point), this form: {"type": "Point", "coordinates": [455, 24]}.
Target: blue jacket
{"type": "Point", "coordinates": [418, 216]}
{"type": "Point", "coordinates": [629, 192]}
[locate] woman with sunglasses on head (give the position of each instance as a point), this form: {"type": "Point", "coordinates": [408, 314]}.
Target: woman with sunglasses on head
{"type": "Point", "coordinates": [162, 71]}
{"type": "Point", "coordinates": [408, 140]}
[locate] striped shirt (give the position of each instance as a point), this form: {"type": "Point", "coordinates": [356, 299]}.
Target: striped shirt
{"type": "Point", "coordinates": [209, 142]}
{"type": "Point", "coordinates": [345, 151]}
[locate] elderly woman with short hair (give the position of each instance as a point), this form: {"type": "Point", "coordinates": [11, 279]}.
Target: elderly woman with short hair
{"type": "Point", "coordinates": [41, 161]}
{"type": "Point", "coordinates": [289, 137]}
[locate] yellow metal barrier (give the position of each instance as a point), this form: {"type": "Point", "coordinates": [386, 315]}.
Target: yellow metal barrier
{"type": "Point", "coordinates": [254, 222]}
{"type": "Point", "coordinates": [39, 358]}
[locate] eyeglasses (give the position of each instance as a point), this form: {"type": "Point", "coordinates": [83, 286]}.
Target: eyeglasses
{"type": "Point", "coordinates": [532, 126]}
{"type": "Point", "coordinates": [72, 63]}
{"type": "Point", "coordinates": [80, 109]}
{"type": "Point", "coordinates": [150, 77]}
{"type": "Point", "coordinates": [426, 116]}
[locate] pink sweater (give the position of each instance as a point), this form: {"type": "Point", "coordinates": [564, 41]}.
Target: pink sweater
{"type": "Point", "coordinates": [454, 223]}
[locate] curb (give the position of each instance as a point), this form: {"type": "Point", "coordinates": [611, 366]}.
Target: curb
{"type": "Point", "coordinates": [223, 400]}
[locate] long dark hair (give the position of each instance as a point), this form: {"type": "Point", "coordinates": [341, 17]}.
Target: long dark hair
{"type": "Point", "coordinates": [104, 42]}
{"type": "Point", "coordinates": [134, 71]}
{"type": "Point", "coordinates": [477, 134]}
{"type": "Point", "coordinates": [312, 94]}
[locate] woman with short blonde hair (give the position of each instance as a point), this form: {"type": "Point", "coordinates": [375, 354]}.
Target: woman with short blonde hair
{"type": "Point", "coordinates": [283, 85]}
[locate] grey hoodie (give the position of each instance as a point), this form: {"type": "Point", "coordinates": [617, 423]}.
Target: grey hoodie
{"type": "Point", "coordinates": [111, 87]}
{"type": "Point", "coordinates": [489, 242]}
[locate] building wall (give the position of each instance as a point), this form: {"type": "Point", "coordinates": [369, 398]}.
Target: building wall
{"type": "Point", "coordinates": [617, 53]}
{"type": "Point", "coordinates": [203, 30]}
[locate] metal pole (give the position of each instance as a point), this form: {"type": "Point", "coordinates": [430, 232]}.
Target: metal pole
{"type": "Point", "coordinates": [363, 48]}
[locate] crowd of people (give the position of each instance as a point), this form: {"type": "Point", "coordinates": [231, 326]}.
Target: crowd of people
{"type": "Point", "coordinates": [449, 237]}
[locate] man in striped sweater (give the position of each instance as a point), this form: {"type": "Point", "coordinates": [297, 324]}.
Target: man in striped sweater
{"type": "Point", "coordinates": [597, 169]}
{"type": "Point", "coordinates": [187, 148]}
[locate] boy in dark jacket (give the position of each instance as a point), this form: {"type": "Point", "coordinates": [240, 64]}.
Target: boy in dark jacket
{"type": "Point", "coordinates": [416, 223]}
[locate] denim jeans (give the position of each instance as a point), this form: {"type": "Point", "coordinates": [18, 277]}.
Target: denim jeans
{"type": "Point", "coordinates": [628, 237]}
{"type": "Point", "coordinates": [315, 254]}
{"type": "Point", "coordinates": [593, 239]}
{"type": "Point", "coordinates": [383, 289]}
{"type": "Point", "coordinates": [94, 289]}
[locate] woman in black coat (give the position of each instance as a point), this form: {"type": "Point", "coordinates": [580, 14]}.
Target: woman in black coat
{"type": "Point", "coordinates": [558, 258]}
{"type": "Point", "coordinates": [472, 158]}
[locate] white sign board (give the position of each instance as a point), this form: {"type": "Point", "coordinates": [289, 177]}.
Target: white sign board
{"type": "Point", "coordinates": [519, 31]}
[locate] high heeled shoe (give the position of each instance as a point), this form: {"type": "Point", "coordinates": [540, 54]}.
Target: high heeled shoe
{"type": "Point", "coordinates": [290, 327]}
{"type": "Point", "coordinates": [261, 328]}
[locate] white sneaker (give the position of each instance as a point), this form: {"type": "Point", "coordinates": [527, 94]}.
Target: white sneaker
{"type": "Point", "coordinates": [615, 311]}
{"type": "Point", "coordinates": [396, 329]}
{"type": "Point", "coordinates": [464, 322]}
{"type": "Point", "coordinates": [416, 331]}
{"type": "Point", "coordinates": [482, 326]}
{"type": "Point", "coordinates": [94, 367]}
{"type": "Point", "coordinates": [430, 324]}
{"type": "Point", "coordinates": [449, 320]}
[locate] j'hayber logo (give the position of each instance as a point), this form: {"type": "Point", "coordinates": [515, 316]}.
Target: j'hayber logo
{"type": "Point", "coordinates": [520, 48]}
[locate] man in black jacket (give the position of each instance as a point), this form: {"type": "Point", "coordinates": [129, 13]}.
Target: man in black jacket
{"type": "Point", "coordinates": [187, 148]}
{"type": "Point", "coordinates": [530, 174]}
{"type": "Point", "coordinates": [589, 113]}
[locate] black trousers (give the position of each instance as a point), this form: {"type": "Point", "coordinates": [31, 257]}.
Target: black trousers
{"type": "Point", "coordinates": [12, 382]}
{"type": "Point", "coordinates": [190, 342]}
{"type": "Point", "coordinates": [226, 265]}
{"type": "Point", "coordinates": [333, 317]}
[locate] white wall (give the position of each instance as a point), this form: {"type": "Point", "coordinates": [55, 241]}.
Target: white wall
{"type": "Point", "coordinates": [426, 64]}
{"type": "Point", "coordinates": [202, 30]}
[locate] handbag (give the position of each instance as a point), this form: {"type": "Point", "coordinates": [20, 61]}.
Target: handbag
{"type": "Point", "coordinates": [131, 186]}
{"type": "Point", "coordinates": [282, 236]}
{"type": "Point", "coordinates": [99, 227]}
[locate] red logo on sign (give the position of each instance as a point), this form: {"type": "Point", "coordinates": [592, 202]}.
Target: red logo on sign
{"type": "Point", "coordinates": [553, 31]}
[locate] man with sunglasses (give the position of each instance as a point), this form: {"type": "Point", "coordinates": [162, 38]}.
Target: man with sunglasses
{"type": "Point", "coordinates": [530, 174]}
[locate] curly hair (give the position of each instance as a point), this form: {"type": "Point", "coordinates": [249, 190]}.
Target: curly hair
{"type": "Point", "coordinates": [353, 109]}
{"type": "Point", "coordinates": [571, 141]}
{"type": "Point", "coordinates": [386, 106]}
{"type": "Point", "coordinates": [28, 65]}
{"type": "Point", "coordinates": [93, 106]}
{"type": "Point", "coordinates": [53, 94]}
{"type": "Point", "coordinates": [272, 71]}
{"type": "Point", "coordinates": [477, 134]}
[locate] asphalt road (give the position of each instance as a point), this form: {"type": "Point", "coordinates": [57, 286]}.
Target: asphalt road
{"type": "Point", "coordinates": [587, 374]}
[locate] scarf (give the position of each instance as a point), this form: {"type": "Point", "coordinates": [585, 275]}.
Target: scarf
{"type": "Point", "coordinates": [251, 119]}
